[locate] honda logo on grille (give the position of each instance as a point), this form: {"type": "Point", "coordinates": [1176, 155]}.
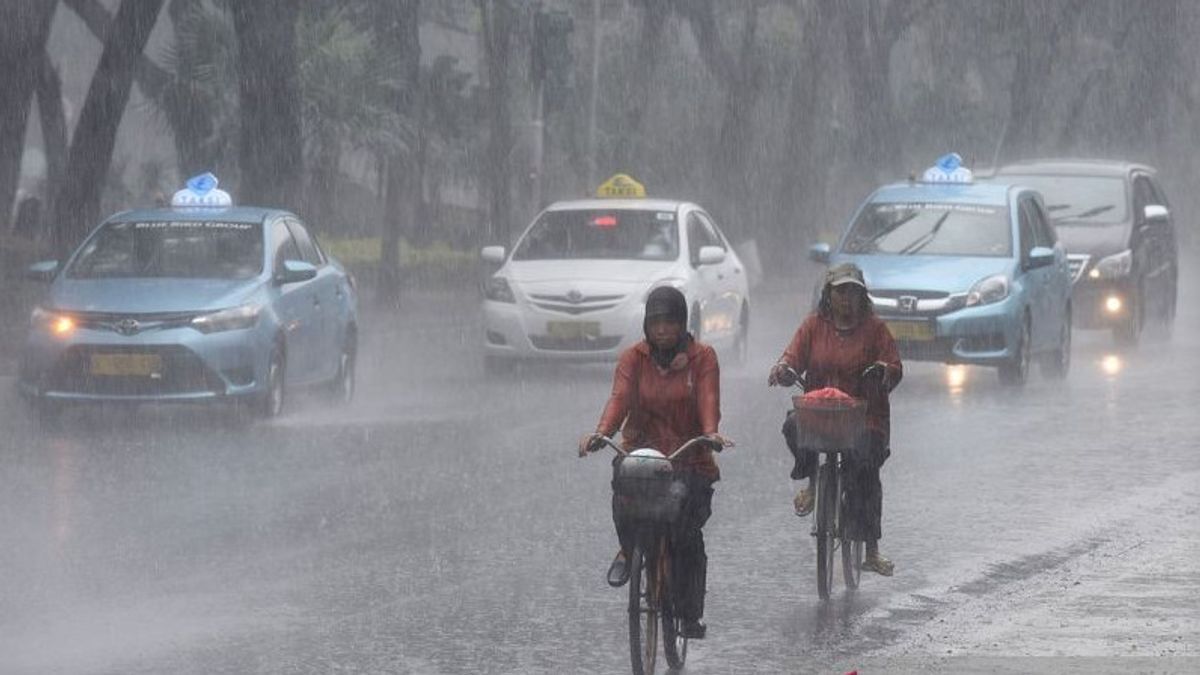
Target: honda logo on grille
{"type": "Point", "coordinates": [907, 303]}
{"type": "Point", "coordinates": [128, 326]}
{"type": "Point", "coordinates": [574, 296]}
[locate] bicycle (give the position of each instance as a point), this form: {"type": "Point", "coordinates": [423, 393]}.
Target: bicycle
{"type": "Point", "coordinates": [834, 429]}
{"type": "Point", "coordinates": [650, 497]}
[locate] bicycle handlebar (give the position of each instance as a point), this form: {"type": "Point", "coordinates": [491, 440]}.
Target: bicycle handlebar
{"type": "Point", "coordinates": [699, 440]}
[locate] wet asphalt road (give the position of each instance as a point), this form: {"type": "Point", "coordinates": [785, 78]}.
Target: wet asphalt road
{"type": "Point", "coordinates": [442, 524]}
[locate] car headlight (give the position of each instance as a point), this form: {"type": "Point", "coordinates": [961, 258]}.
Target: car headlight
{"type": "Point", "coordinates": [988, 290]}
{"type": "Point", "coordinates": [497, 289]}
{"type": "Point", "coordinates": [1114, 266]}
{"type": "Point", "coordinates": [50, 321]}
{"type": "Point", "coordinates": [234, 318]}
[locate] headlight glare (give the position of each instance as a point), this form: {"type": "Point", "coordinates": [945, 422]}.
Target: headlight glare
{"type": "Point", "coordinates": [988, 290]}
{"type": "Point", "coordinates": [1115, 266]}
{"type": "Point", "coordinates": [497, 289]}
{"type": "Point", "coordinates": [234, 318]}
{"type": "Point", "coordinates": [51, 321]}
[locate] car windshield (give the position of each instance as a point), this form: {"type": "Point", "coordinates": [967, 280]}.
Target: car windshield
{"type": "Point", "coordinates": [1080, 200]}
{"type": "Point", "coordinates": [607, 234]}
{"type": "Point", "coordinates": [180, 249]}
{"type": "Point", "coordinates": [931, 229]}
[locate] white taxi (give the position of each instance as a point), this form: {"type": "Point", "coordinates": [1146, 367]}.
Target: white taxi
{"type": "Point", "coordinates": [574, 287]}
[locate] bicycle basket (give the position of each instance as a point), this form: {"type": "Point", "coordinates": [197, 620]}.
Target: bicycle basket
{"type": "Point", "coordinates": [646, 489]}
{"type": "Point", "coordinates": [829, 424]}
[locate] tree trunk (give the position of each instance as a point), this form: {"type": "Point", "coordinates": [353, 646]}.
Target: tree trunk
{"type": "Point", "coordinates": [397, 27]}
{"type": "Point", "coordinates": [638, 88]}
{"type": "Point", "coordinates": [499, 18]}
{"type": "Point", "coordinates": [54, 128]}
{"type": "Point", "coordinates": [271, 150]}
{"type": "Point", "coordinates": [90, 157]}
{"type": "Point", "coordinates": [22, 45]}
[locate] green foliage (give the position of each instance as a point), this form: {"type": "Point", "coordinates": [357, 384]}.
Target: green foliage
{"type": "Point", "coordinates": [437, 263]}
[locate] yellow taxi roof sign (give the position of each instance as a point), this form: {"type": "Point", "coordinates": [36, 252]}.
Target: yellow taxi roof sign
{"type": "Point", "coordinates": [621, 185]}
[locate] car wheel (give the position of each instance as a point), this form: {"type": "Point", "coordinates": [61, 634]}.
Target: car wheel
{"type": "Point", "coordinates": [1164, 320]}
{"type": "Point", "coordinates": [1016, 371]}
{"type": "Point", "coordinates": [694, 322]}
{"type": "Point", "coordinates": [345, 382]}
{"type": "Point", "coordinates": [1057, 363]}
{"type": "Point", "coordinates": [741, 342]}
{"type": "Point", "coordinates": [1128, 332]}
{"type": "Point", "coordinates": [497, 366]}
{"type": "Point", "coordinates": [270, 403]}
{"type": "Point", "coordinates": [47, 413]}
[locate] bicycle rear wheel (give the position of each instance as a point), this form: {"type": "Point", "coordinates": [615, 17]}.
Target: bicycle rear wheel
{"type": "Point", "coordinates": [674, 643]}
{"type": "Point", "coordinates": [827, 494]}
{"type": "Point", "coordinates": [644, 593]}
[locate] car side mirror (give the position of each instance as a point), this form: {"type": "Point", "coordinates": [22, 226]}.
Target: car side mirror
{"type": "Point", "coordinates": [820, 252]}
{"type": "Point", "coordinates": [1156, 214]}
{"type": "Point", "coordinates": [493, 254]}
{"type": "Point", "coordinates": [295, 271]}
{"type": "Point", "coordinates": [710, 255]}
{"type": "Point", "coordinates": [42, 271]}
{"type": "Point", "coordinates": [1040, 256]}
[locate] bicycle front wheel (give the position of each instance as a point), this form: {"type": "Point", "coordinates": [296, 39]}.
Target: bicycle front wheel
{"type": "Point", "coordinates": [644, 594]}
{"type": "Point", "coordinates": [852, 559]}
{"type": "Point", "coordinates": [674, 643]}
{"type": "Point", "coordinates": [827, 492]}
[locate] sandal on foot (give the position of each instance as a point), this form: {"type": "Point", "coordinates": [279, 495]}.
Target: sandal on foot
{"type": "Point", "coordinates": [803, 502]}
{"type": "Point", "coordinates": [879, 565]}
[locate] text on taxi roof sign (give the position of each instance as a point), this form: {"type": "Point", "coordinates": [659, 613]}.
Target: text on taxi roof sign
{"type": "Point", "coordinates": [948, 169]}
{"type": "Point", "coordinates": [621, 185]}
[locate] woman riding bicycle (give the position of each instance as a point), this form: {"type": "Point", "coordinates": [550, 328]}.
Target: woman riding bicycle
{"type": "Point", "coordinates": [666, 390]}
{"type": "Point", "coordinates": [836, 347]}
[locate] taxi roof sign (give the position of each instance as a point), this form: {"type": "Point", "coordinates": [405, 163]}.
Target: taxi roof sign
{"type": "Point", "coordinates": [621, 185]}
{"type": "Point", "coordinates": [202, 191]}
{"type": "Point", "coordinates": [948, 169]}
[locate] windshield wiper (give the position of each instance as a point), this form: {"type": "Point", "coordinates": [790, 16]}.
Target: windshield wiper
{"type": "Point", "coordinates": [1094, 211]}
{"type": "Point", "coordinates": [1058, 207]}
{"type": "Point", "coordinates": [925, 239]}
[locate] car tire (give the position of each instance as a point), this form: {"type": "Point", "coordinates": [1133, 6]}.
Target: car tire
{"type": "Point", "coordinates": [270, 403]}
{"type": "Point", "coordinates": [1016, 371]}
{"type": "Point", "coordinates": [497, 366]}
{"type": "Point", "coordinates": [694, 322]}
{"type": "Point", "coordinates": [1129, 332]}
{"type": "Point", "coordinates": [741, 341]}
{"type": "Point", "coordinates": [345, 383]}
{"type": "Point", "coordinates": [48, 414]}
{"type": "Point", "coordinates": [1057, 363]}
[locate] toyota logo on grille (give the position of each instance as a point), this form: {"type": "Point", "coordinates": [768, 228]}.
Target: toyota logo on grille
{"type": "Point", "coordinates": [907, 303]}
{"type": "Point", "coordinates": [574, 296]}
{"type": "Point", "coordinates": [128, 326]}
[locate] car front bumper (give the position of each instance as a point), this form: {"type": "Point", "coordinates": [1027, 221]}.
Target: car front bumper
{"type": "Point", "coordinates": [985, 335]}
{"type": "Point", "coordinates": [188, 365]}
{"type": "Point", "coordinates": [525, 332]}
{"type": "Point", "coordinates": [1101, 304]}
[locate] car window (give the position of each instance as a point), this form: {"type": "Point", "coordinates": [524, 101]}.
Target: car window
{"type": "Point", "coordinates": [1043, 232]}
{"type": "Point", "coordinates": [308, 248]}
{"type": "Point", "coordinates": [1026, 231]}
{"type": "Point", "coordinates": [1080, 200]}
{"type": "Point", "coordinates": [700, 234]}
{"type": "Point", "coordinates": [284, 245]}
{"type": "Point", "coordinates": [601, 234]}
{"type": "Point", "coordinates": [174, 249]}
{"type": "Point", "coordinates": [930, 228]}
{"type": "Point", "coordinates": [1143, 196]}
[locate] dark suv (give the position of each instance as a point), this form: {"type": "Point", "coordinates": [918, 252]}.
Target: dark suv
{"type": "Point", "coordinates": [1116, 223]}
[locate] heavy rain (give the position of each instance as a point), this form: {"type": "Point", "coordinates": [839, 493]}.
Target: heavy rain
{"type": "Point", "coordinates": [286, 388]}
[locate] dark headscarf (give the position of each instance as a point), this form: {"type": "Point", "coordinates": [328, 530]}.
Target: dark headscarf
{"type": "Point", "coordinates": [666, 302]}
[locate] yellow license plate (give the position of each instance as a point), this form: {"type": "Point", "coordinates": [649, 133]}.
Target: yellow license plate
{"type": "Point", "coordinates": [128, 365]}
{"type": "Point", "coordinates": [572, 330]}
{"type": "Point", "coordinates": [916, 331]}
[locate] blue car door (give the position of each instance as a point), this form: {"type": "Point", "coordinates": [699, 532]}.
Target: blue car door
{"type": "Point", "coordinates": [294, 304]}
{"type": "Point", "coordinates": [327, 298]}
{"type": "Point", "coordinates": [1036, 280]}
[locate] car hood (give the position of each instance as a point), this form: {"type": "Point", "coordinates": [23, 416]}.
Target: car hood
{"type": "Point", "coordinates": [1097, 241]}
{"type": "Point", "coordinates": [145, 296]}
{"type": "Point", "coordinates": [926, 272]}
{"type": "Point", "coordinates": [616, 272]}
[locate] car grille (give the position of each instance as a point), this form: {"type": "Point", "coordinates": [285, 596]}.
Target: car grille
{"type": "Point", "coordinates": [132, 324]}
{"type": "Point", "coordinates": [575, 304]}
{"type": "Point", "coordinates": [1077, 262]}
{"type": "Point", "coordinates": [897, 303]}
{"type": "Point", "coordinates": [182, 373]}
{"type": "Point", "coordinates": [577, 344]}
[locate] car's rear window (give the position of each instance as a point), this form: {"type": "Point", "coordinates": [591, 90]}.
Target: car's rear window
{"type": "Point", "coordinates": [1080, 200]}
{"type": "Point", "coordinates": [180, 249]}
{"type": "Point", "coordinates": [605, 234]}
{"type": "Point", "coordinates": [931, 228]}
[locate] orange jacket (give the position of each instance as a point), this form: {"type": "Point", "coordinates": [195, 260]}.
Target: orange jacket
{"type": "Point", "coordinates": [664, 409]}
{"type": "Point", "coordinates": [836, 358]}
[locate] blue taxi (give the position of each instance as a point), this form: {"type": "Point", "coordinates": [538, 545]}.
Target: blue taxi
{"type": "Point", "coordinates": [964, 272]}
{"type": "Point", "coordinates": [203, 301]}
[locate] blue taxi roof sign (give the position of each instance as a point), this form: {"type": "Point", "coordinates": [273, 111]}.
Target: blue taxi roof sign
{"type": "Point", "coordinates": [948, 169]}
{"type": "Point", "coordinates": [201, 190]}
